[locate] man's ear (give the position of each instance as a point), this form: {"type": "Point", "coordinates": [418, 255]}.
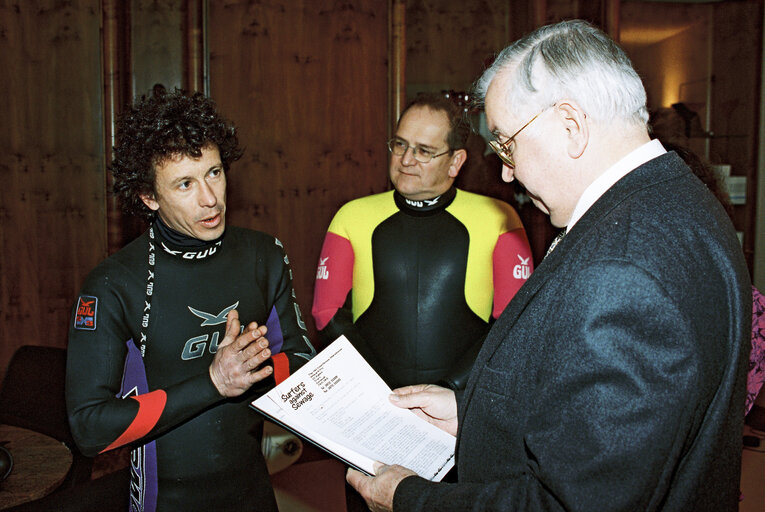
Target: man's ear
{"type": "Point", "coordinates": [458, 159]}
{"type": "Point", "coordinates": [148, 200]}
{"type": "Point", "coordinates": [576, 124]}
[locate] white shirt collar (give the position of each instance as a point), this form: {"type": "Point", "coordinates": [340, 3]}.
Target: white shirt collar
{"type": "Point", "coordinates": [620, 169]}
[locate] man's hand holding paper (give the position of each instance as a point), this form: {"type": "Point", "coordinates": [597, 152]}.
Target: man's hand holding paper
{"type": "Point", "coordinates": [434, 404]}
{"type": "Point", "coordinates": [339, 403]}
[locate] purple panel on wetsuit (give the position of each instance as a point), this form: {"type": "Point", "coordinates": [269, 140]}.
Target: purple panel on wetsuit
{"type": "Point", "coordinates": [143, 460]}
{"type": "Point", "coordinates": [275, 335]}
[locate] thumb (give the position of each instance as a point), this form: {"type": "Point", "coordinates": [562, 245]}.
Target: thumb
{"type": "Point", "coordinates": [355, 478]}
{"type": "Point", "coordinates": [408, 390]}
{"type": "Point", "coordinates": [406, 400]}
{"type": "Point", "coordinates": [232, 328]}
{"type": "Point", "coordinates": [413, 397]}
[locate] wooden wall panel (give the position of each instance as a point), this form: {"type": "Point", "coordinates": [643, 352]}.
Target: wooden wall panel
{"type": "Point", "coordinates": [306, 83]}
{"type": "Point", "coordinates": [157, 41]}
{"type": "Point", "coordinates": [115, 69]}
{"type": "Point", "coordinates": [195, 47]}
{"type": "Point", "coordinates": [397, 62]}
{"type": "Point", "coordinates": [449, 43]}
{"type": "Point", "coordinates": [52, 219]}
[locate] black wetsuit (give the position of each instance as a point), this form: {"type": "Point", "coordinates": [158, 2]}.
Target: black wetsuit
{"type": "Point", "coordinates": [414, 284]}
{"type": "Point", "coordinates": [192, 449]}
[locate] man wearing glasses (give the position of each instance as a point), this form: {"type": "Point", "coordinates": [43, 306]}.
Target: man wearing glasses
{"type": "Point", "coordinates": [414, 276]}
{"type": "Point", "coordinates": [615, 379]}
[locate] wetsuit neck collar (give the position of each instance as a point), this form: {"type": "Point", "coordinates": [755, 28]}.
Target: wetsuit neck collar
{"type": "Point", "coordinates": [426, 205]}
{"type": "Point", "coordinates": [183, 246]}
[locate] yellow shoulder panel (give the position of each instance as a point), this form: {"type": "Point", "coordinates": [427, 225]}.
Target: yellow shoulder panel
{"type": "Point", "coordinates": [356, 221]}
{"type": "Point", "coordinates": [486, 219]}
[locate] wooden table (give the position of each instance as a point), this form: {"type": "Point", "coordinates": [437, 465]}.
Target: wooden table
{"type": "Point", "coordinates": [40, 464]}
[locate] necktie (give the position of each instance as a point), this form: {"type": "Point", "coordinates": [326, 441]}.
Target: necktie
{"type": "Point", "coordinates": [556, 241]}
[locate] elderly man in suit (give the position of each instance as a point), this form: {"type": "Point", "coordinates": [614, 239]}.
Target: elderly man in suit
{"type": "Point", "coordinates": [615, 378]}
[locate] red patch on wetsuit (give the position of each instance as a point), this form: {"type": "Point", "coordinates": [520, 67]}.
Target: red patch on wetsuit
{"type": "Point", "coordinates": [85, 314]}
{"type": "Point", "coordinates": [150, 407]}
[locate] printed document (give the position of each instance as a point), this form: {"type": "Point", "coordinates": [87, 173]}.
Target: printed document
{"type": "Point", "coordinates": [339, 403]}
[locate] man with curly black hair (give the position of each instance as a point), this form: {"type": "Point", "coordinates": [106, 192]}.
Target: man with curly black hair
{"type": "Point", "coordinates": [174, 335]}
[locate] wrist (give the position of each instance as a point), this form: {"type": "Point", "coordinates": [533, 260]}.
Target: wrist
{"type": "Point", "coordinates": [216, 381]}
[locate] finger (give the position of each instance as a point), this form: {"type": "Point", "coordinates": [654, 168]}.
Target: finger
{"type": "Point", "coordinates": [257, 351]}
{"type": "Point", "coordinates": [249, 336]}
{"type": "Point", "coordinates": [246, 338]}
{"type": "Point", "coordinates": [232, 328]}
{"type": "Point", "coordinates": [232, 316]}
{"type": "Point", "coordinates": [355, 478]}
{"type": "Point", "coordinates": [259, 375]}
{"type": "Point", "coordinates": [260, 358]}
{"type": "Point", "coordinates": [261, 330]}
{"type": "Point", "coordinates": [252, 326]}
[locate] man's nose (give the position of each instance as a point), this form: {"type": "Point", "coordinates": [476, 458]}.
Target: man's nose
{"type": "Point", "coordinates": [508, 173]}
{"type": "Point", "coordinates": [408, 157]}
{"type": "Point", "coordinates": [207, 195]}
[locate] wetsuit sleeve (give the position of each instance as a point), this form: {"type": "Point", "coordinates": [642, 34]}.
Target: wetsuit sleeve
{"type": "Point", "coordinates": [99, 418]}
{"type": "Point", "coordinates": [512, 267]}
{"type": "Point", "coordinates": [286, 334]}
{"type": "Point", "coordinates": [332, 303]}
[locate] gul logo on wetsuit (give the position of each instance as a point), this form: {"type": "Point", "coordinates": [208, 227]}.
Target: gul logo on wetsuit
{"type": "Point", "coordinates": [85, 314]}
{"type": "Point", "coordinates": [322, 272]}
{"type": "Point", "coordinates": [195, 347]}
{"type": "Point", "coordinates": [522, 270]}
{"type": "Point", "coordinates": [420, 204]}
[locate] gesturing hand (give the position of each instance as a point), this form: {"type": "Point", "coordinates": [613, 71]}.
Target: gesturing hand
{"type": "Point", "coordinates": [235, 366]}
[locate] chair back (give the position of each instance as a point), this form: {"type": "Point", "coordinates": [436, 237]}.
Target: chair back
{"type": "Point", "coordinates": [32, 397]}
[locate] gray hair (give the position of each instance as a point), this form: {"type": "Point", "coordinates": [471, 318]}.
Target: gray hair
{"type": "Point", "coordinates": [569, 60]}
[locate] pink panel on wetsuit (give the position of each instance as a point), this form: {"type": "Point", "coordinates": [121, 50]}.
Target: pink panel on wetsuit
{"type": "Point", "coordinates": [334, 278]}
{"type": "Point", "coordinates": [512, 266]}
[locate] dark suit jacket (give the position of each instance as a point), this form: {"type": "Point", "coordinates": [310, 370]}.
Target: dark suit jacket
{"type": "Point", "coordinates": [615, 378]}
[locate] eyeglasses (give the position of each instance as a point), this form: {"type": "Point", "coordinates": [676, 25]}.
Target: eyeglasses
{"type": "Point", "coordinates": [399, 146]}
{"type": "Point", "coordinates": [505, 149]}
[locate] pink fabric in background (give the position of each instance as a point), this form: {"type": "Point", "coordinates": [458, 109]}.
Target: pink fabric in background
{"type": "Point", "coordinates": [756, 375]}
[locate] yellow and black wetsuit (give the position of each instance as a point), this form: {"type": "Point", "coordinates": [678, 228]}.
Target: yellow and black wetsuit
{"type": "Point", "coordinates": [414, 284]}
